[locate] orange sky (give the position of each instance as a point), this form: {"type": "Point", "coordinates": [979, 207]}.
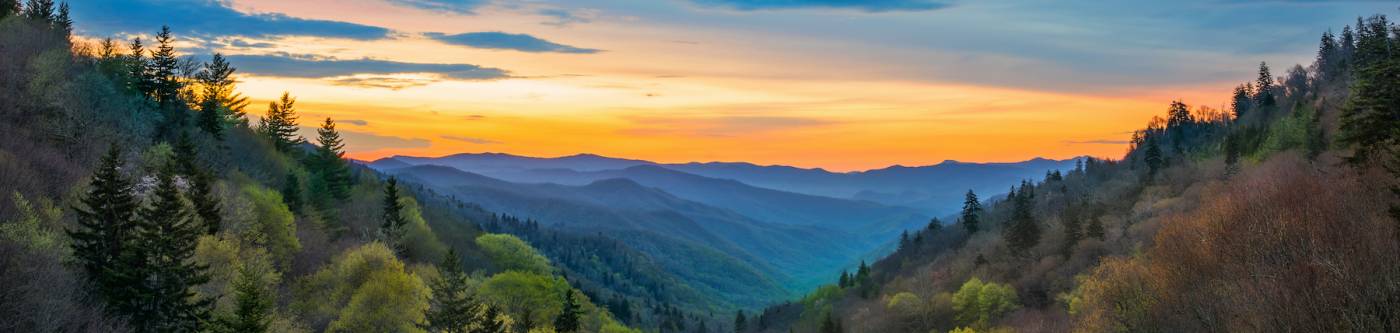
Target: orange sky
{"type": "Point", "coordinates": [842, 90]}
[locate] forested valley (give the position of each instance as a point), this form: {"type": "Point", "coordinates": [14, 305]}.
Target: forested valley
{"type": "Point", "coordinates": [143, 193]}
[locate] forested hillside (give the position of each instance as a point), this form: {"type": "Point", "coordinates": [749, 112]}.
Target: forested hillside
{"type": "Point", "coordinates": [140, 196]}
{"type": "Point", "coordinates": [1276, 215]}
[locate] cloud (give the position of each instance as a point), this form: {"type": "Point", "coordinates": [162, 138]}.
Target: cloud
{"type": "Point", "coordinates": [507, 41]}
{"type": "Point", "coordinates": [384, 82]}
{"type": "Point", "coordinates": [861, 5]}
{"type": "Point", "coordinates": [206, 18]}
{"type": "Point", "coordinates": [479, 141]}
{"type": "Point", "coordinates": [563, 17]}
{"type": "Point", "coordinates": [448, 6]}
{"type": "Point", "coordinates": [286, 65]}
{"type": "Point", "coordinates": [356, 141]}
{"type": "Point", "coordinates": [356, 122]}
{"type": "Point", "coordinates": [1098, 142]}
{"type": "Point", "coordinates": [723, 126]}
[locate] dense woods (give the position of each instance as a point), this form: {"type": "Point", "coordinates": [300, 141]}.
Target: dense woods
{"type": "Point", "coordinates": [140, 195]}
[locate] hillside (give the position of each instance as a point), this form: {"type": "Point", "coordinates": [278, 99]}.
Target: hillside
{"type": "Point", "coordinates": [1271, 216]}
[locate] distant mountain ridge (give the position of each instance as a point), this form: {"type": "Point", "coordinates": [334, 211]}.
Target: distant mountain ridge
{"type": "Point", "coordinates": [932, 189]}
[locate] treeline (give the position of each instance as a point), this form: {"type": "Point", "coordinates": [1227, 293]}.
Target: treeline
{"type": "Point", "coordinates": [1279, 214]}
{"type": "Point", "coordinates": [143, 199]}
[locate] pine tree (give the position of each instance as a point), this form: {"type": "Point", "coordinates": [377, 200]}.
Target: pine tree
{"type": "Point", "coordinates": [1072, 229]}
{"type": "Point", "coordinates": [105, 222]}
{"type": "Point", "coordinates": [39, 10]}
{"type": "Point", "coordinates": [291, 193]}
{"type": "Point", "coordinates": [1264, 94]}
{"type": "Point", "coordinates": [1372, 114]}
{"type": "Point", "coordinates": [280, 124]}
{"type": "Point", "coordinates": [138, 71]}
{"type": "Point", "coordinates": [568, 319]}
{"type": "Point", "coordinates": [971, 212]}
{"type": "Point", "coordinates": [330, 163]}
{"type": "Point", "coordinates": [1095, 228]}
{"type": "Point", "coordinates": [9, 7]}
{"type": "Point", "coordinates": [845, 280]}
{"type": "Point", "coordinates": [252, 304]}
{"type": "Point", "coordinates": [1243, 100]}
{"type": "Point", "coordinates": [740, 324]}
{"type": "Point", "coordinates": [1153, 157]}
{"type": "Point", "coordinates": [903, 241]}
{"type": "Point", "coordinates": [219, 104]}
{"type": "Point", "coordinates": [165, 85]}
{"type": "Point", "coordinates": [935, 225]}
{"type": "Point", "coordinates": [200, 192]}
{"type": "Point", "coordinates": [62, 22]}
{"type": "Point", "coordinates": [167, 234]}
{"type": "Point", "coordinates": [453, 308]}
{"type": "Point", "coordinates": [1022, 233]}
{"type": "Point", "coordinates": [830, 324]}
{"type": "Point", "coordinates": [393, 220]}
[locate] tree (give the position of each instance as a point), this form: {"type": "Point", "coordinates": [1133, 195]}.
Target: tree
{"type": "Point", "coordinates": [1372, 114]}
{"type": "Point", "coordinates": [137, 69]}
{"type": "Point", "coordinates": [219, 104]}
{"type": "Point", "coordinates": [291, 192]}
{"type": "Point", "coordinates": [830, 324]}
{"type": "Point", "coordinates": [252, 303]}
{"type": "Point", "coordinates": [1095, 228]}
{"type": "Point", "coordinates": [1073, 232]}
{"type": "Point", "coordinates": [493, 321]}
{"type": "Point", "coordinates": [280, 124]}
{"type": "Point", "coordinates": [977, 304]}
{"type": "Point", "coordinates": [329, 163]}
{"type": "Point", "coordinates": [1022, 233]}
{"type": "Point", "coordinates": [845, 280]}
{"type": "Point", "coordinates": [165, 85]}
{"type": "Point", "coordinates": [1178, 118]}
{"type": "Point", "coordinates": [1152, 156]}
{"type": "Point", "coordinates": [62, 22]}
{"type": "Point", "coordinates": [392, 223]}
{"type": "Point", "coordinates": [105, 221]}
{"type": "Point", "coordinates": [740, 322]}
{"type": "Point", "coordinates": [971, 212]}
{"type": "Point", "coordinates": [1328, 57]}
{"type": "Point", "coordinates": [509, 253]}
{"type": "Point", "coordinates": [568, 319]}
{"type": "Point", "coordinates": [39, 10]}
{"type": "Point", "coordinates": [164, 299]}
{"type": "Point", "coordinates": [1264, 94]}
{"type": "Point", "coordinates": [452, 308]}
{"type": "Point", "coordinates": [935, 225]}
{"type": "Point", "coordinates": [1243, 100]}
{"type": "Point", "coordinates": [9, 7]}
{"type": "Point", "coordinates": [200, 192]}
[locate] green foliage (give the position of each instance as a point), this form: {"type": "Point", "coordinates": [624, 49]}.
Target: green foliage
{"type": "Point", "coordinates": [160, 294]}
{"type": "Point", "coordinates": [1022, 232]}
{"type": "Point", "coordinates": [568, 318]}
{"type": "Point", "coordinates": [274, 227]}
{"type": "Point", "coordinates": [509, 253]}
{"type": "Point", "coordinates": [971, 212]}
{"type": "Point", "coordinates": [529, 298]}
{"type": "Point", "coordinates": [454, 309]}
{"type": "Point", "coordinates": [35, 227]}
{"type": "Point", "coordinates": [978, 304]}
{"type": "Point", "coordinates": [417, 240]}
{"type": "Point", "coordinates": [105, 224]}
{"type": "Point", "coordinates": [365, 289]}
{"type": "Point", "coordinates": [253, 303]}
{"type": "Point", "coordinates": [391, 227]}
{"type": "Point", "coordinates": [279, 126]}
{"type": "Point", "coordinates": [328, 162]}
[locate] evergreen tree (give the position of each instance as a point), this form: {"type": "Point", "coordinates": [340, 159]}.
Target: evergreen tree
{"type": "Point", "coordinates": [740, 324]}
{"type": "Point", "coordinates": [280, 124]}
{"type": "Point", "coordinates": [1022, 233]}
{"type": "Point", "coordinates": [1264, 94]}
{"type": "Point", "coordinates": [138, 71]}
{"type": "Point", "coordinates": [904, 241]}
{"type": "Point", "coordinates": [393, 220]}
{"type": "Point", "coordinates": [39, 10]}
{"type": "Point", "coordinates": [1328, 57]}
{"type": "Point", "coordinates": [1347, 42]}
{"type": "Point", "coordinates": [971, 212]}
{"type": "Point", "coordinates": [1243, 100]}
{"type": "Point", "coordinates": [568, 319]}
{"type": "Point", "coordinates": [166, 85]}
{"type": "Point", "coordinates": [1178, 118]}
{"type": "Point", "coordinates": [62, 22]}
{"type": "Point", "coordinates": [1072, 229]}
{"type": "Point", "coordinates": [1095, 228]}
{"type": "Point", "coordinates": [934, 225]}
{"type": "Point", "coordinates": [830, 324]}
{"type": "Point", "coordinates": [1152, 156]}
{"type": "Point", "coordinates": [1372, 114]}
{"type": "Point", "coordinates": [9, 7]}
{"type": "Point", "coordinates": [453, 309]}
{"type": "Point", "coordinates": [291, 193]}
{"type": "Point", "coordinates": [219, 104]}
{"type": "Point", "coordinates": [845, 280]}
{"type": "Point", "coordinates": [105, 222]}
{"type": "Point", "coordinates": [1232, 153]}
{"type": "Point", "coordinates": [164, 299]}
{"type": "Point", "coordinates": [494, 321]}
{"type": "Point", "coordinates": [252, 301]}
{"type": "Point", "coordinates": [200, 192]}
{"type": "Point", "coordinates": [330, 163]}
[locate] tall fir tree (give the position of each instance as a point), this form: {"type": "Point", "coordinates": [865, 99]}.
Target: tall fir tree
{"type": "Point", "coordinates": [166, 84]}
{"type": "Point", "coordinates": [280, 124]}
{"type": "Point", "coordinates": [452, 308]}
{"type": "Point", "coordinates": [329, 161]}
{"type": "Point", "coordinates": [1264, 89]}
{"type": "Point", "coordinates": [252, 304]}
{"type": "Point", "coordinates": [1372, 113]}
{"type": "Point", "coordinates": [392, 222]}
{"type": "Point", "coordinates": [165, 300]}
{"type": "Point", "coordinates": [138, 70]}
{"type": "Point", "coordinates": [568, 319]}
{"type": "Point", "coordinates": [219, 104]}
{"type": "Point", "coordinates": [1243, 100]}
{"type": "Point", "coordinates": [1152, 156]}
{"type": "Point", "coordinates": [39, 10]}
{"type": "Point", "coordinates": [740, 322]}
{"type": "Point", "coordinates": [1022, 233]}
{"type": "Point", "coordinates": [62, 22]}
{"type": "Point", "coordinates": [200, 191]}
{"type": "Point", "coordinates": [105, 222]}
{"type": "Point", "coordinates": [292, 193]}
{"type": "Point", "coordinates": [971, 213]}
{"type": "Point", "coordinates": [1072, 227]}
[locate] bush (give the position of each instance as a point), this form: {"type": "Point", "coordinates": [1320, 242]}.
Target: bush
{"type": "Point", "coordinates": [978, 304]}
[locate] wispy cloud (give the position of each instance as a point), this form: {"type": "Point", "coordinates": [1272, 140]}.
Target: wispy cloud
{"type": "Point", "coordinates": [563, 17]}
{"type": "Point", "coordinates": [448, 6]}
{"type": "Point", "coordinates": [468, 139]}
{"type": "Point", "coordinates": [861, 5]}
{"type": "Point", "coordinates": [1098, 142]}
{"type": "Point", "coordinates": [206, 18]}
{"type": "Point", "coordinates": [286, 65]}
{"type": "Point", "coordinates": [723, 126]}
{"type": "Point", "coordinates": [507, 41]}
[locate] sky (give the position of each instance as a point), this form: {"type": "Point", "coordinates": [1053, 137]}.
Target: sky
{"type": "Point", "coordinates": [837, 84]}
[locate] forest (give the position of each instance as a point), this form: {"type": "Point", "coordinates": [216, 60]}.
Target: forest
{"type": "Point", "coordinates": [143, 193]}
